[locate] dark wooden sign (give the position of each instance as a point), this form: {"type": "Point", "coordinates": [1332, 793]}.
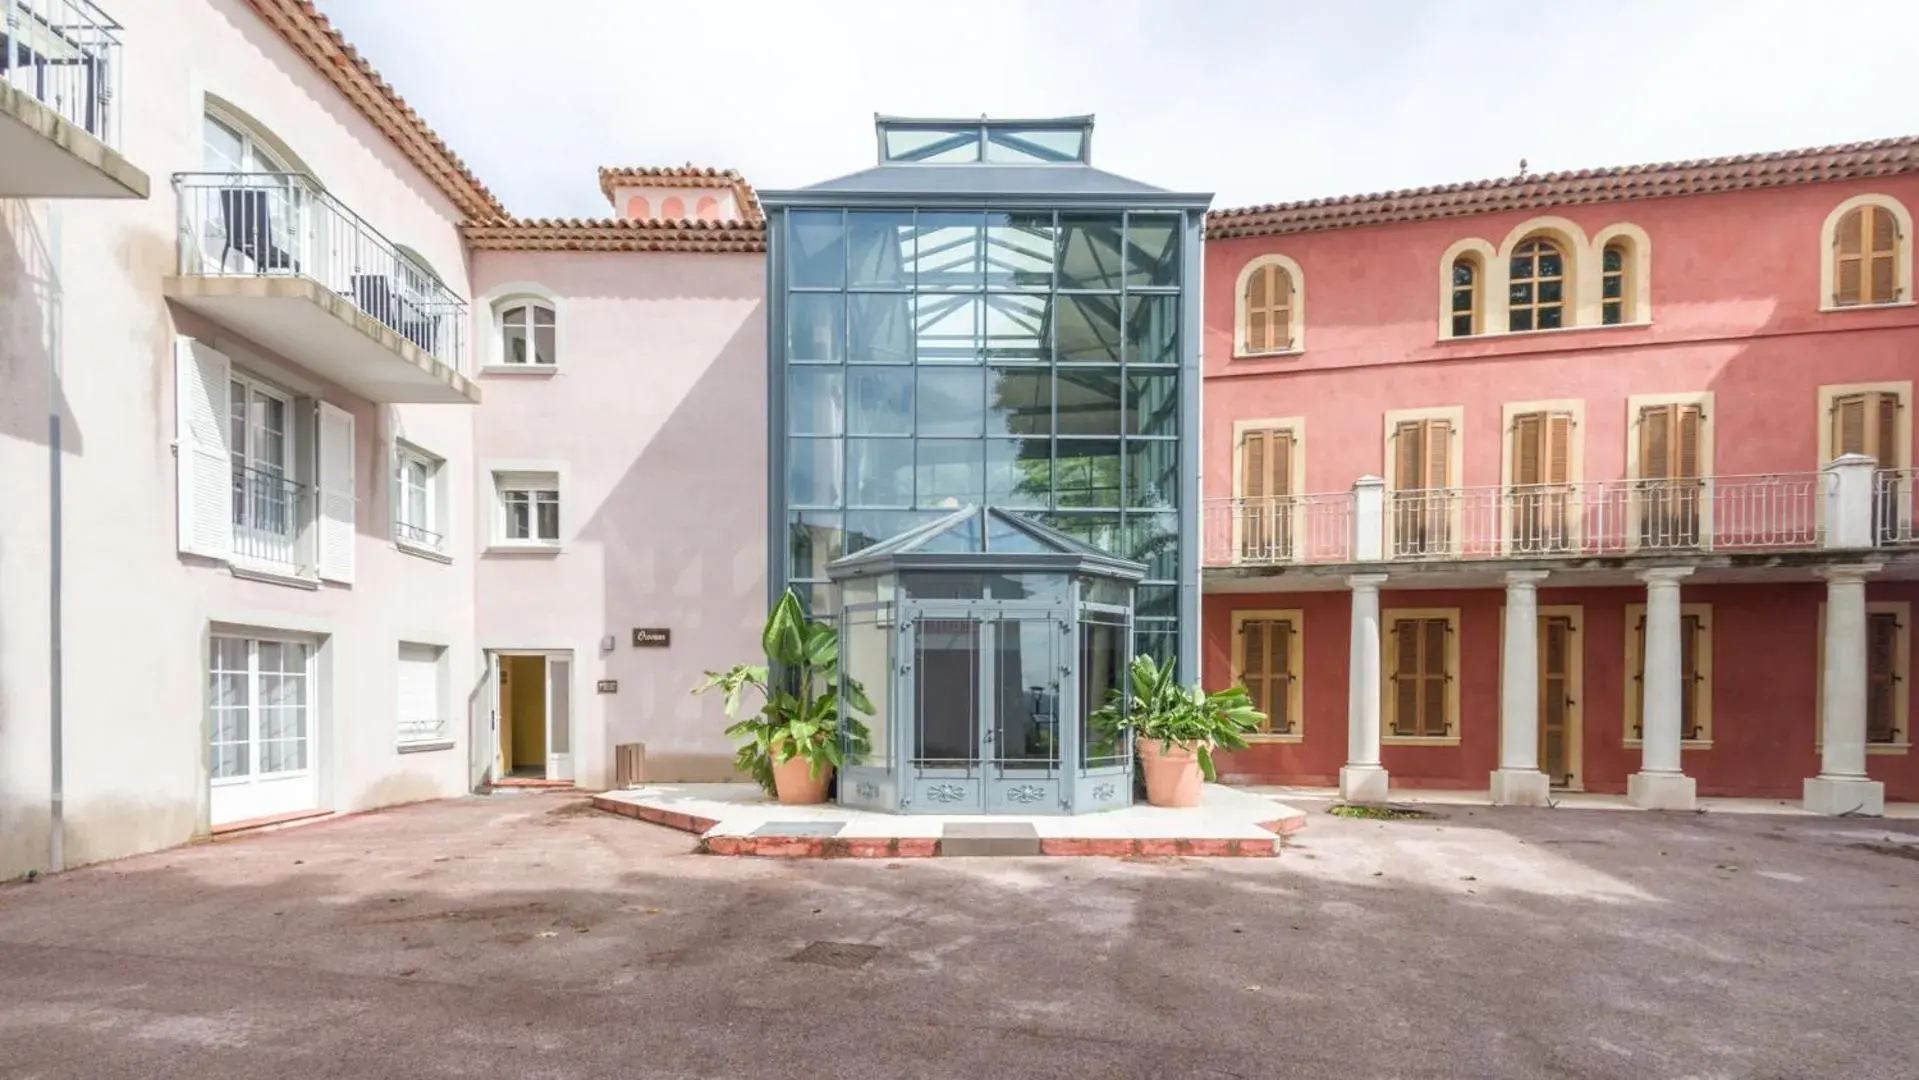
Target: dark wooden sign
{"type": "Point", "coordinates": [608, 686]}
{"type": "Point", "coordinates": [652, 637]}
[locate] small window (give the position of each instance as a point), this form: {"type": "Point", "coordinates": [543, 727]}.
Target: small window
{"type": "Point", "coordinates": [422, 694]}
{"type": "Point", "coordinates": [1269, 310]}
{"type": "Point", "coordinates": [1422, 697]}
{"type": "Point", "coordinates": [1267, 651]}
{"type": "Point", "coordinates": [638, 208]}
{"type": "Point", "coordinates": [1615, 286]}
{"type": "Point", "coordinates": [267, 499]}
{"type": "Point", "coordinates": [1865, 252]}
{"type": "Point", "coordinates": [1695, 673]}
{"type": "Point", "coordinates": [416, 490]}
{"type": "Point", "coordinates": [1536, 286]}
{"type": "Point", "coordinates": [1466, 302]}
{"type": "Point", "coordinates": [529, 334]}
{"type": "Point", "coordinates": [673, 208]}
{"type": "Point", "coordinates": [529, 508]}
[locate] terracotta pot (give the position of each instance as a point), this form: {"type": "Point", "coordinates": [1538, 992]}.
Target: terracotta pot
{"type": "Point", "coordinates": [1172, 776]}
{"type": "Point", "coordinates": [796, 785]}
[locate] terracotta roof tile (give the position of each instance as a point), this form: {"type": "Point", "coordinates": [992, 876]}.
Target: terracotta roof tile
{"type": "Point", "coordinates": [575, 234]}
{"type": "Point", "coordinates": [313, 36]}
{"type": "Point", "coordinates": [688, 175]}
{"type": "Point", "coordinates": [1853, 161]}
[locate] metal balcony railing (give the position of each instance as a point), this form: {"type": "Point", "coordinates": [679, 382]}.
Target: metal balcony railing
{"type": "Point", "coordinates": [1892, 509]}
{"type": "Point", "coordinates": [1277, 531]}
{"type": "Point", "coordinates": [410, 533]}
{"type": "Point", "coordinates": [64, 54]}
{"type": "Point", "coordinates": [286, 225]}
{"type": "Point", "coordinates": [268, 512]}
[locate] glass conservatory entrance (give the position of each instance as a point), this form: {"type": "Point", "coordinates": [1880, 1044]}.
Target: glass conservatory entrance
{"type": "Point", "coordinates": [984, 642]}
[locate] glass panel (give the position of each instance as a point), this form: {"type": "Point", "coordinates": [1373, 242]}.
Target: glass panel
{"type": "Point", "coordinates": [1613, 260]}
{"type": "Point", "coordinates": [812, 472]}
{"type": "Point", "coordinates": [879, 248]}
{"type": "Point", "coordinates": [1462, 277]}
{"type": "Point", "coordinates": [881, 328]}
{"type": "Point", "coordinates": [1156, 601]}
{"type": "Point", "coordinates": [962, 535]}
{"type": "Point", "coordinates": [1019, 251]}
{"type": "Point", "coordinates": [864, 528]}
{"type": "Point", "coordinates": [815, 401]}
{"type": "Point", "coordinates": [1026, 693]}
{"type": "Point", "coordinates": [951, 402]}
{"type": "Point", "coordinates": [933, 145]}
{"type": "Point", "coordinates": [866, 659]}
{"type": "Point", "coordinates": [952, 251]}
{"type": "Point", "coordinates": [1086, 329]}
{"type": "Point", "coordinates": [1099, 590]}
{"type": "Point", "coordinates": [1159, 640]}
{"type": "Point", "coordinates": [1153, 539]}
{"type": "Point", "coordinates": [1522, 267]}
{"type": "Point", "coordinates": [1152, 474]}
{"type": "Point", "coordinates": [1020, 402]}
{"type": "Point", "coordinates": [1034, 144]}
{"type": "Point", "coordinates": [813, 540]}
{"type": "Point", "coordinates": [513, 343]}
{"type": "Point", "coordinates": [820, 599]}
{"type": "Point", "coordinates": [1610, 288]}
{"type": "Point", "coordinates": [1551, 292]}
{"type": "Point", "coordinates": [1462, 326]}
{"type": "Point", "coordinates": [559, 684]}
{"type": "Point", "coordinates": [879, 472]}
{"type": "Point", "coordinates": [1019, 473]}
{"type": "Point", "coordinates": [1152, 249]}
{"type": "Point", "coordinates": [1521, 293]}
{"type": "Point", "coordinates": [816, 249]}
{"type": "Point", "coordinates": [1152, 330]}
{"type": "Point", "coordinates": [859, 590]}
{"type": "Point", "coordinates": [1089, 255]}
{"type": "Point", "coordinates": [1549, 264]}
{"type": "Point", "coordinates": [946, 699]}
{"type": "Point", "coordinates": [1016, 327]}
{"type": "Point", "coordinates": [974, 585]}
{"type": "Point", "coordinates": [1520, 320]}
{"type": "Point", "coordinates": [1004, 536]}
{"type": "Point", "coordinates": [1099, 530]}
{"type": "Point", "coordinates": [1549, 318]}
{"type": "Point", "coordinates": [546, 511]}
{"type": "Point", "coordinates": [1087, 402]}
{"type": "Point", "coordinates": [545, 341]}
{"type": "Point", "coordinates": [816, 328]}
{"type": "Point", "coordinates": [1102, 663]}
{"type": "Point", "coordinates": [1152, 404]}
{"type": "Point", "coordinates": [946, 329]}
{"type": "Point", "coordinates": [880, 401]}
{"type": "Point", "coordinates": [951, 473]}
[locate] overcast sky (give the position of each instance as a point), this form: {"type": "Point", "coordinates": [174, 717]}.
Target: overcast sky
{"type": "Point", "coordinates": [1257, 102]}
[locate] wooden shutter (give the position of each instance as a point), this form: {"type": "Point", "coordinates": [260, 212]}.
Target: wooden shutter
{"type": "Point", "coordinates": [1409, 452]}
{"type": "Point", "coordinates": [336, 489]}
{"type": "Point", "coordinates": [1883, 724]}
{"type": "Point", "coordinates": [1265, 479]}
{"type": "Point", "coordinates": [1687, 422]}
{"type": "Point", "coordinates": [1885, 409]}
{"type": "Point", "coordinates": [1866, 257]}
{"type": "Point", "coordinates": [1639, 681]}
{"type": "Point", "coordinates": [1266, 647]}
{"type": "Point", "coordinates": [1282, 323]}
{"type": "Point", "coordinates": [1269, 310]}
{"type": "Point", "coordinates": [1555, 696]}
{"type": "Point", "coordinates": [1655, 442]}
{"type": "Point", "coordinates": [1849, 424]}
{"type": "Point", "coordinates": [1558, 452]}
{"type": "Point", "coordinates": [1433, 674]}
{"type": "Point", "coordinates": [1690, 629]}
{"type": "Point", "coordinates": [203, 463]}
{"type": "Point", "coordinates": [1847, 274]}
{"type": "Point", "coordinates": [1884, 239]}
{"type": "Point", "coordinates": [1439, 441]}
{"type": "Point", "coordinates": [1528, 448]}
{"type": "Point", "coordinates": [1255, 464]}
{"type": "Point", "coordinates": [1406, 680]}
{"type": "Point", "coordinates": [1420, 677]}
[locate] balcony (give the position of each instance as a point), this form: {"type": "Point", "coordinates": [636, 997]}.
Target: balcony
{"type": "Point", "coordinates": [278, 260]}
{"type": "Point", "coordinates": [1848, 505]}
{"type": "Point", "coordinates": [59, 121]}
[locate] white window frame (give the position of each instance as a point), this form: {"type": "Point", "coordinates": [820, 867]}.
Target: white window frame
{"type": "Point", "coordinates": [254, 705]}
{"type": "Point", "coordinates": [245, 383]}
{"type": "Point", "coordinates": [533, 481]}
{"type": "Point", "coordinates": [530, 303]}
{"type": "Point", "coordinates": [426, 536]}
{"type": "Point", "coordinates": [416, 733]}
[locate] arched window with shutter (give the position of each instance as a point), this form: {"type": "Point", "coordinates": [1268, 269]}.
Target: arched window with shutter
{"type": "Point", "coordinates": [1615, 284]}
{"type": "Point", "coordinates": [1271, 304]}
{"type": "Point", "coordinates": [1468, 307]}
{"type": "Point", "coordinates": [1867, 257]}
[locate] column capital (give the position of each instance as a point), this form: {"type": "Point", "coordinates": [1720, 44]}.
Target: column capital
{"type": "Point", "coordinates": [1848, 572]}
{"type": "Point", "coordinates": [1370, 481]}
{"type": "Point", "coordinates": [1365, 581]}
{"type": "Point", "coordinates": [1850, 461]}
{"type": "Point", "coordinates": [1526, 577]}
{"type": "Point", "coordinates": [1664, 575]}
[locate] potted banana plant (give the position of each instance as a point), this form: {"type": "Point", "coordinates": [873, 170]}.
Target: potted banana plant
{"type": "Point", "coordinates": [800, 733]}
{"type": "Point", "coordinates": [1176, 728]}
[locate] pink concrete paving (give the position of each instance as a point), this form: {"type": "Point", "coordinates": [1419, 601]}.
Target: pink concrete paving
{"type": "Point", "coordinates": [739, 819]}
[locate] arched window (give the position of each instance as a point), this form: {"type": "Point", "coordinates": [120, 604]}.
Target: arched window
{"type": "Point", "coordinates": [1615, 284]}
{"type": "Point", "coordinates": [529, 333]}
{"type": "Point", "coordinates": [1466, 306]}
{"type": "Point", "coordinates": [638, 209]}
{"type": "Point", "coordinates": [1865, 254]}
{"type": "Point", "coordinates": [1536, 286]}
{"type": "Point", "coordinates": [673, 209]}
{"type": "Point", "coordinates": [1269, 310]}
{"type": "Point", "coordinates": [709, 209]}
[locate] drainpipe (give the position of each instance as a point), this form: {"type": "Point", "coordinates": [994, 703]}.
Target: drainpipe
{"type": "Point", "coordinates": [57, 855]}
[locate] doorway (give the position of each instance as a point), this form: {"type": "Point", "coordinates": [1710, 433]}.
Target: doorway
{"type": "Point", "coordinates": [1561, 672]}
{"type": "Point", "coordinates": [531, 695]}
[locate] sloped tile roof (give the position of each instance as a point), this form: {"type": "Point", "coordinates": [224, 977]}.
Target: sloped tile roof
{"type": "Point", "coordinates": [575, 234]}
{"type": "Point", "coordinates": [688, 176]}
{"type": "Point", "coordinates": [1852, 161]}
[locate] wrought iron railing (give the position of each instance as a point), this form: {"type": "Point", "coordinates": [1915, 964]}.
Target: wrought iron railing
{"type": "Point", "coordinates": [1892, 507]}
{"type": "Point", "coordinates": [410, 533]}
{"type": "Point", "coordinates": [286, 224]}
{"type": "Point", "coordinates": [1276, 531]}
{"type": "Point", "coordinates": [64, 54]}
{"type": "Point", "coordinates": [268, 511]}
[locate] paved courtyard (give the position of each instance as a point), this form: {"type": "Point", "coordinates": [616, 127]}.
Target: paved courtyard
{"type": "Point", "coordinates": [529, 936]}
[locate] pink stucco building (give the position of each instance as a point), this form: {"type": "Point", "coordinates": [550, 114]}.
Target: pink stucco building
{"type": "Point", "coordinates": [1595, 480]}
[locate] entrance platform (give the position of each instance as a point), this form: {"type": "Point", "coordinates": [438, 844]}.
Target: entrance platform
{"type": "Point", "coordinates": [740, 819]}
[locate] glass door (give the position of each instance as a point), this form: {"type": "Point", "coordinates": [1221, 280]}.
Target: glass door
{"type": "Point", "coordinates": [1020, 731]}
{"type": "Point", "coordinates": [944, 694]}
{"type": "Point", "coordinates": [559, 717]}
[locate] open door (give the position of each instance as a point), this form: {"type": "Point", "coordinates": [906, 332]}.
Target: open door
{"type": "Point", "coordinates": [559, 718]}
{"type": "Point", "coordinates": [483, 727]}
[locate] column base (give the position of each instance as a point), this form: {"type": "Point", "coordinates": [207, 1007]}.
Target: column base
{"type": "Point", "coordinates": [1520, 787]}
{"type": "Point", "coordinates": [1661, 791]}
{"type": "Point", "coordinates": [1837, 795]}
{"type": "Point", "coordinates": [1362, 783]}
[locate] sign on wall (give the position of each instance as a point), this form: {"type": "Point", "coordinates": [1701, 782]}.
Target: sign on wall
{"type": "Point", "coordinates": [652, 637]}
{"type": "Point", "coordinates": [608, 686]}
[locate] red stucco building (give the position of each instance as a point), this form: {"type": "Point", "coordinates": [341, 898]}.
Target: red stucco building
{"type": "Point", "coordinates": [1597, 480]}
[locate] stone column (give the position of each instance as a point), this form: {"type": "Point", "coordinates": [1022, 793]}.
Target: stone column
{"type": "Point", "coordinates": [1841, 786]}
{"type": "Point", "coordinates": [1660, 783]}
{"type": "Point", "coordinates": [1363, 779]}
{"type": "Point", "coordinates": [1518, 781]}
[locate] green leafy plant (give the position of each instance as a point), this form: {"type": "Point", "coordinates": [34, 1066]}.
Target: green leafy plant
{"type": "Point", "coordinates": [1162, 710]}
{"type": "Point", "coordinates": [800, 696]}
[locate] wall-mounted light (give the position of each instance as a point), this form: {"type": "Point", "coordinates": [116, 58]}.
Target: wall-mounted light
{"type": "Point", "coordinates": [608, 643]}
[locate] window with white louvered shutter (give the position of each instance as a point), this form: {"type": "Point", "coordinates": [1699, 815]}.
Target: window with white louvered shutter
{"type": "Point", "coordinates": [336, 457]}
{"type": "Point", "coordinates": [422, 712]}
{"type": "Point", "coordinates": [204, 467]}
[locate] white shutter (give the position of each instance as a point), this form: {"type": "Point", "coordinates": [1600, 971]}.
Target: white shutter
{"type": "Point", "coordinates": [202, 458]}
{"type": "Point", "coordinates": [336, 494]}
{"type": "Point", "coordinates": [421, 717]}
